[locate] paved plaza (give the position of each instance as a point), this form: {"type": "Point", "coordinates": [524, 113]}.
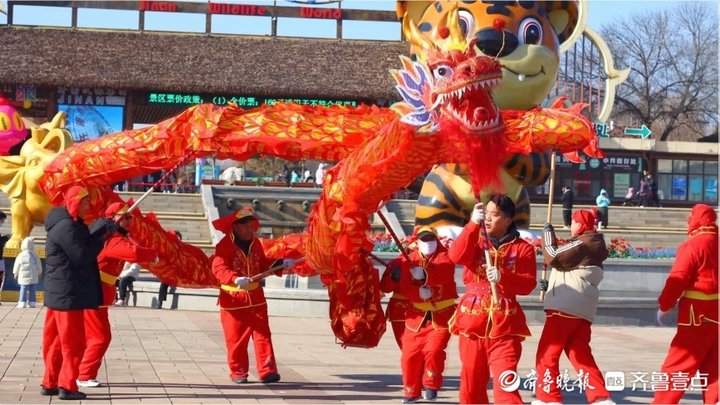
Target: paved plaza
{"type": "Point", "coordinates": [178, 357]}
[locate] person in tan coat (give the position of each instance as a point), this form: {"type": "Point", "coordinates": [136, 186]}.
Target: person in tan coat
{"type": "Point", "coordinates": [570, 304]}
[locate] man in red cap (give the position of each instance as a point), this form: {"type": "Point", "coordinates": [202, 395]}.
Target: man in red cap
{"type": "Point", "coordinates": [427, 279]}
{"type": "Point", "coordinates": [72, 284]}
{"type": "Point", "coordinates": [692, 285]}
{"type": "Point", "coordinates": [491, 333]}
{"type": "Point", "coordinates": [243, 311]}
{"type": "Point", "coordinates": [570, 305]}
{"type": "Point", "coordinates": [118, 249]}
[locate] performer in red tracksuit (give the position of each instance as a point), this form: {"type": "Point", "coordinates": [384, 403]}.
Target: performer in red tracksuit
{"type": "Point", "coordinates": [118, 249]}
{"type": "Point", "coordinates": [693, 286]}
{"type": "Point", "coordinates": [243, 310]}
{"type": "Point", "coordinates": [397, 305]}
{"type": "Point", "coordinates": [570, 306]}
{"type": "Point", "coordinates": [491, 335]}
{"type": "Point", "coordinates": [72, 284]}
{"type": "Point", "coordinates": [428, 282]}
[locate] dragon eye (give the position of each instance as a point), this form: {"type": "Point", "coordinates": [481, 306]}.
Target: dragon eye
{"type": "Point", "coordinates": [442, 72]}
{"type": "Point", "coordinates": [467, 22]}
{"type": "Point", "coordinates": [18, 121]}
{"type": "Point", "coordinates": [530, 31]}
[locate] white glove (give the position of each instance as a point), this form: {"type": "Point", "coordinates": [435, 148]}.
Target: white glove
{"type": "Point", "coordinates": [493, 275]}
{"type": "Point", "coordinates": [417, 273]}
{"type": "Point", "coordinates": [478, 213]}
{"type": "Point", "coordinates": [242, 282]}
{"type": "Point", "coordinates": [660, 316]}
{"type": "Point", "coordinates": [288, 263]}
{"type": "Point", "coordinates": [425, 293]}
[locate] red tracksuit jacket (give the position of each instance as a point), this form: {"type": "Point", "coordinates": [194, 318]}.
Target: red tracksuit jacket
{"type": "Point", "coordinates": [230, 262]}
{"type": "Point", "coordinates": [118, 249]}
{"type": "Point", "coordinates": [515, 259]}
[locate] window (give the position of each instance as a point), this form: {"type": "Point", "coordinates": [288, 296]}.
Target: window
{"type": "Point", "coordinates": [695, 189]}
{"type": "Point", "coordinates": [679, 166]}
{"type": "Point", "coordinates": [696, 166]}
{"type": "Point", "coordinates": [711, 189]}
{"type": "Point", "coordinates": [90, 122]}
{"type": "Point", "coordinates": [664, 183]}
{"type": "Point", "coordinates": [664, 166]}
{"type": "Point", "coordinates": [679, 188]}
{"type": "Point", "coordinates": [711, 168]}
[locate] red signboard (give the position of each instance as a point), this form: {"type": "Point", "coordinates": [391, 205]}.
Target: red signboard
{"type": "Point", "coordinates": [150, 5]}
{"type": "Point", "coordinates": [237, 9]}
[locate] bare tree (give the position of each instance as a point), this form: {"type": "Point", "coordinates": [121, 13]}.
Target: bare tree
{"type": "Point", "coordinates": [673, 57]}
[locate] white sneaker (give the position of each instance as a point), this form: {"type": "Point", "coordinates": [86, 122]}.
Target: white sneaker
{"type": "Point", "coordinates": [32, 304]}
{"type": "Point", "coordinates": [20, 304]}
{"type": "Point", "coordinates": [91, 383]}
{"type": "Point", "coordinates": [119, 303]}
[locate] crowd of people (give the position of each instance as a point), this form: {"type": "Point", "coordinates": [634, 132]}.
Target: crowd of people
{"type": "Point", "coordinates": [84, 263]}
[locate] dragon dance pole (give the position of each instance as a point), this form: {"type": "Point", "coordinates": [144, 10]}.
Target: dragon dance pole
{"type": "Point", "coordinates": [160, 181]}
{"type": "Point", "coordinates": [394, 236]}
{"type": "Point", "coordinates": [488, 259]}
{"type": "Point", "coordinates": [548, 218]}
{"type": "Point", "coordinates": [271, 271]}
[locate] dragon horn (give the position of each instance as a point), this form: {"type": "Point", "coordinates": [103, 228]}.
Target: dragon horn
{"type": "Point", "coordinates": [413, 35]}
{"type": "Point", "coordinates": [457, 39]}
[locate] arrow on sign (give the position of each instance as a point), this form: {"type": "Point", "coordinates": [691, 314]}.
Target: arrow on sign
{"type": "Point", "coordinates": [643, 132]}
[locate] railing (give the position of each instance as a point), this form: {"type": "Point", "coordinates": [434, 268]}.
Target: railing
{"type": "Point", "coordinates": [211, 8]}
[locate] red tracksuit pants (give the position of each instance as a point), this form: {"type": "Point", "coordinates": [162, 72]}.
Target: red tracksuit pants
{"type": "Point", "coordinates": [423, 359]}
{"type": "Point", "coordinates": [63, 346]}
{"type": "Point", "coordinates": [238, 326]}
{"type": "Point", "coordinates": [97, 333]}
{"type": "Point", "coordinates": [572, 336]}
{"type": "Point", "coordinates": [398, 328]}
{"type": "Point", "coordinates": [484, 357]}
{"type": "Point", "coordinates": [693, 349]}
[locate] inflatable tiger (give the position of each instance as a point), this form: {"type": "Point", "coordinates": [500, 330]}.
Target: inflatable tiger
{"type": "Point", "coordinates": [525, 36]}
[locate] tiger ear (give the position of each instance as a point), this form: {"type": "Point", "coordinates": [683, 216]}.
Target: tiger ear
{"type": "Point", "coordinates": [567, 19]}
{"type": "Point", "coordinates": [413, 9]}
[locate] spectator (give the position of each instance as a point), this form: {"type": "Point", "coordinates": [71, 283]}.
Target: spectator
{"type": "Point", "coordinates": [130, 273]}
{"type": "Point", "coordinates": [603, 202]}
{"type": "Point", "coordinates": [630, 196]}
{"type": "Point", "coordinates": [294, 176]}
{"type": "Point", "coordinates": [567, 203]}
{"type": "Point", "coordinates": [645, 191]}
{"type": "Point", "coordinates": [3, 241]}
{"type": "Point", "coordinates": [320, 174]}
{"type": "Point", "coordinates": [72, 284]}
{"type": "Point", "coordinates": [306, 176]}
{"type": "Point", "coordinates": [27, 270]}
{"type": "Point", "coordinates": [286, 175]}
{"type": "Point", "coordinates": [232, 175]}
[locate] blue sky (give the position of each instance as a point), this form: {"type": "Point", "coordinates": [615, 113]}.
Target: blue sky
{"type": "Point", "coordinates": [601, 12]}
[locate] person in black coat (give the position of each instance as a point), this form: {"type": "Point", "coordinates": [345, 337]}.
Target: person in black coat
{"type": "Point", "coordinates": [72, 283]}
{"type": "Point", "coordinates": [567, 204]}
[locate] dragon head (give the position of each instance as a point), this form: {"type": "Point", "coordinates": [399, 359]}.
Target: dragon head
{"type": "Point", "coordinates": [448, 92]}
{"type": "Point", "coordinates": [451, 83]}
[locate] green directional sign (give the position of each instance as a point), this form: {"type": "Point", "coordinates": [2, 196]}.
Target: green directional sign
{"type": "Point", "coordinates": [643, 132]}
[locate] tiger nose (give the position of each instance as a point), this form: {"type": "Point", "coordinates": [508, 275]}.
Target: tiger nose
{"type": "Point", "coordinates": [496, 43]}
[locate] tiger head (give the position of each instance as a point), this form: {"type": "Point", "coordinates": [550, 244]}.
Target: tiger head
{"type": "Point", "coordinates": [525, 36]}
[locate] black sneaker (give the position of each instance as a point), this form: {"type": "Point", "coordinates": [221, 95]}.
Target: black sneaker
{"type": "Point", "coordinates": [271, 378]}
{"type": "Point", "coordinates": [240, 380]}
{"type": "Point", "coordinates": [48, 391]}
{"type": "Point", "coordinates": [410, 400]}
{"type": "Point", "coordinates": [429, 394]}
{"type": "Point", "coordinates": [70, 395]}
